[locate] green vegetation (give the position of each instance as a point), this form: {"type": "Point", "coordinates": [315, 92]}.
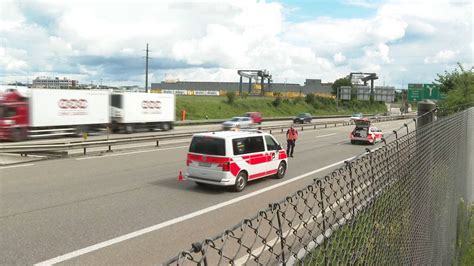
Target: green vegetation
{"type": "Point", "coordinates": [459, 86]}
{"type": "Point", "coordinates": [198, 107]}
{"type": "Point", "coordinates": [372, 238]}
{"type": "Point", "coordinates": [465, 238]}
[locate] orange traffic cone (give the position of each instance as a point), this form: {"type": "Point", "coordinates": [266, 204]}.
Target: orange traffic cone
{"type": "Point", "coordinates": [180, 177]}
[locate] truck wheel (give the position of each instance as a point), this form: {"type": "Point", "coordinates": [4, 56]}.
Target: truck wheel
{"type": "Point", "coordinates": [18, 134]}
{"type": "Point", "coordinates": [240, 182]}
{"type": "Point", "coordinates": [165, 126]}
{"type": "Point", "coordinates": [80, 130]}
{"type": "Point", "coordinates": [281, 171]}
{"type": "Point", "coordinates": [129, 129]}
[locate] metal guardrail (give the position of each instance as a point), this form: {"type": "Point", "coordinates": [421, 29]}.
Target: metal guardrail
{"type": "Point", "coordinates": [25, 149]}
{"type": "Point", "coordinates": [265, 119]}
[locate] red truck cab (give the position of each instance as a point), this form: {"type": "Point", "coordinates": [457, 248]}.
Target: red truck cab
{"type": "Point", "coordinates": [14, 116]}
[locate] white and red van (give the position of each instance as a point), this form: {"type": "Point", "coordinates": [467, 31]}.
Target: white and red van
{"type": "Point", "coordinates": [365, 132]}
{"type": "Point", "coordinates": [232, 158]}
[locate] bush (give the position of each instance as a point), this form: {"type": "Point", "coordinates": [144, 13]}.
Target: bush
{"type": "Point", "coordinates": [245, 95]}
{"type": "Point", "coordinates": [310, 98]}
{"type": "Point", "coordinates": [286, 101]}
{"type": "Point", "coordinates": [297, 100]}
{"type": "Point", "coordinates": [230, 97]}
{"type": "Point", "coordinates": [277, 101]}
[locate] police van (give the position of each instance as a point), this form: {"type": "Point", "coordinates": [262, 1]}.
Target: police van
{"type": "Point", "coordinates": [233, 158]}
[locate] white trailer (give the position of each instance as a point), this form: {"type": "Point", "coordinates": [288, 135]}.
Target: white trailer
{"type": "Point", "coordinates": [133, 110]}
{"type": "Point", "coordinates": [68, 107]}
{"type": "Point", "coordinates": [67, 112]}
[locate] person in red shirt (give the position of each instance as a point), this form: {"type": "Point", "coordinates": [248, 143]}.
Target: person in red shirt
{"type": "Point", "coordinates": [291, 137]}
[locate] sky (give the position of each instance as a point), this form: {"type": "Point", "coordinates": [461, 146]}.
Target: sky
{"type": "Point", "coordinates": [103, 41]}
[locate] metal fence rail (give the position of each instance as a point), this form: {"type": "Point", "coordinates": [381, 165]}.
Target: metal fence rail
{"type": "Point", "coordinates": [396, 204]}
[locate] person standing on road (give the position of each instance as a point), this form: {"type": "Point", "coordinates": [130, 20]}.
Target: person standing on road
{"type": "Point", "coordinates": [291, 137]}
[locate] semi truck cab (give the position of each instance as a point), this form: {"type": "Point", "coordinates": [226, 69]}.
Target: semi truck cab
{"type": "Point", "coordinates": [13, 116]}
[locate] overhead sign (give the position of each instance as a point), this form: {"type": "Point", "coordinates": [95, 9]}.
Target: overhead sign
{"type": "Point", "coordinates": [431, 91]}
{"type": "Point", "coordinates": [363, 93]}
{"type": "Point", "coordinates": [419, 92]}
{"type": "Point", "coordinates": [345, 92]}
{"type": "Point", "coordinates": [384, 94]}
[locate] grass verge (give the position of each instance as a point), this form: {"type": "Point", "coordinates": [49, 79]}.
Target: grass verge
{"type": "Point", "coordinates": [198, 107]}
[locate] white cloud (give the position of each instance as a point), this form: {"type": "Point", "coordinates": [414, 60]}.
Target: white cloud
{"type": "Point", "coordinates": [339, 58]}
{"type": "Point", "coordinates": [442, 57]}
{"type": "Point", "coordinates": [210, 40]}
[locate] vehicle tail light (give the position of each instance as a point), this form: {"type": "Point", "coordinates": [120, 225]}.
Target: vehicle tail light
{"type": "Point", "coordinates": [225, 167]}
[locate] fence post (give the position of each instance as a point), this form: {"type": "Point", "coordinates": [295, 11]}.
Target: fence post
{"type": "Point", "coordinates": [323, 215]}
{"type": "Point", "coordinates": [157, 143]}
{"type": "Point", "coordinates": [276, 207]}
{"type": "Point", "coordinates": [425, 112]}
{"type": "Point", "coordinates": [349, 166]}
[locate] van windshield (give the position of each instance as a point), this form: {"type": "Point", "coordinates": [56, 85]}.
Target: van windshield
{"type": "Point", "coordinates": [208, 145]}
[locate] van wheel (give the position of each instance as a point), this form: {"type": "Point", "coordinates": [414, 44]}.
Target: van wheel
{"type": "Point", "coordinates": [240, 182]}
{"type": "Point", "coordinates": [281, 171]}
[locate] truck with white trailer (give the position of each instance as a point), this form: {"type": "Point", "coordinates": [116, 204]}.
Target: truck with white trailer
{"type": "Point", "coordinates": [132, 110]}
{"type": "Point", "coordinates": [51, 112]}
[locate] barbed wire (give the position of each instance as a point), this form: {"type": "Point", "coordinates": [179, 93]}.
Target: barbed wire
{"type": "Point", "coordinates": [394, 204]}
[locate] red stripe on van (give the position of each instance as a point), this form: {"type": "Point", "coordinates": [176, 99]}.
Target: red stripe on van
{"type": "Point", "coordinates": [234, 169]}
{"type": "Point", "coordinates": [262, 174]}
{"type": "Point", "coordinates": [272, 172]}
{"type": "Point", "coordinates": [208, 159]}
{"type": "Point", "coordinates": [282, 155]}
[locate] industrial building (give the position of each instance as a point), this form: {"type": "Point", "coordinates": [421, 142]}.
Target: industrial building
{"type": "Point", "coordinates": [310, 86]}
{"type": "Point", "coordinates": [54, 83]}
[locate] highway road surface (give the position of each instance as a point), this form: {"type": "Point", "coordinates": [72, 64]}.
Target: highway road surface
{"type": "Point", "coordinates": [128, 208]}
{"type": "Point", "coordinates": [139, 133]}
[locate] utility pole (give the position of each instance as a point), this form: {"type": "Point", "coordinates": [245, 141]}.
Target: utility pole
{"type": "Point", "coordinates": [146, 70]}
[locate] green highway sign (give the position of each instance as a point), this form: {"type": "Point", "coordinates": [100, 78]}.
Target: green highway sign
{"type": "Point", "coordinates": [419, 92]}
{"type": "Point", "coordinates": [431, 92]}
{"type": "Point", "coordinates": [415, 92]}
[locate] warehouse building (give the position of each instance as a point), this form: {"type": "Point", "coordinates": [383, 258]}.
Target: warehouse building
{"type": "Point", "coordinates": [310, 86]}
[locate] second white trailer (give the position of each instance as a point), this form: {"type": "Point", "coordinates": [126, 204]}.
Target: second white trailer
{"type": "Point", "coordinates": [132, 110]}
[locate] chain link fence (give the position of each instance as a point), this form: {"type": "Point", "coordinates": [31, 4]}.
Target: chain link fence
{"type": "Point", "coordinates": [395, 204]}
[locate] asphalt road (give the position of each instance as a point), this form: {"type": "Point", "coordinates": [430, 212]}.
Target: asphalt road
{"type": "Point", "coordinates": [178, 129]}
{"type": "Point", "coordinates": [56, 207]}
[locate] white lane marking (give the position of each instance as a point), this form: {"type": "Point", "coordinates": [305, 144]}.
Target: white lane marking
{"type": "Point", "coordinates": [16, 166]}
{"type": "Point", "coordinates": [327, 135]}
{"type": "Point", "coordinates": [188, 216]}
{"type": "Point", "coordinates": [128, 153]}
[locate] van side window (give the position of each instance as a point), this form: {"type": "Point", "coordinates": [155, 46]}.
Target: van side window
{"type": "Point", "coordinates": [271, 144]}
{"type": "Point", "coordinates": [248, 145]}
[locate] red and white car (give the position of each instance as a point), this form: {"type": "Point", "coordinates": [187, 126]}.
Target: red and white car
{"type": "Point", "coordinates": [365, 132]}
{"type": "Point", "coordinates": [233, 158]}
